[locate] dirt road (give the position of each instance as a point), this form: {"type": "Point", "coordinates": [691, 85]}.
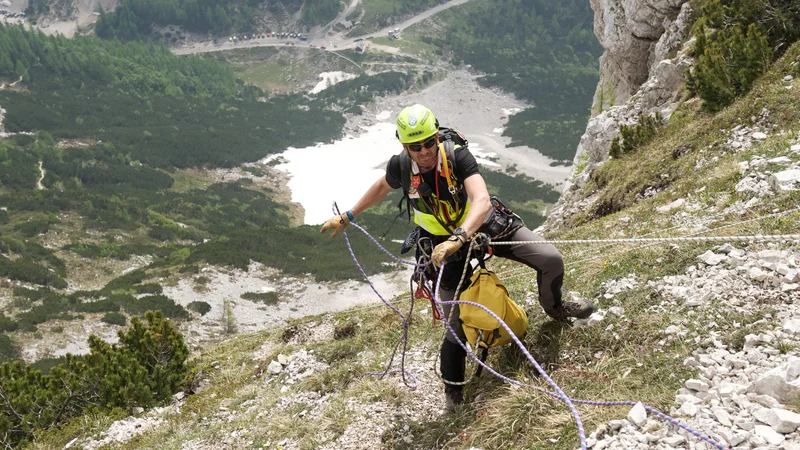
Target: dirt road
{"type": "Point", "coordinates": [334, 42]}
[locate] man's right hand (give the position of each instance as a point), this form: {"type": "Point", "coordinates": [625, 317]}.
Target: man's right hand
{"type": "Point", "coordinates": [336, 223]}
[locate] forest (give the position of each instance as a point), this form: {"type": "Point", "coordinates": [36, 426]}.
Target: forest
{"type": "Point", "coordinates": [134, 19]}
{"type": "Point", "coordinates": [544, 53]}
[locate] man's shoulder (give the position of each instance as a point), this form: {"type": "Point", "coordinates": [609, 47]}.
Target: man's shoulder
{"type": "Point", "coordinates": [397, 160]}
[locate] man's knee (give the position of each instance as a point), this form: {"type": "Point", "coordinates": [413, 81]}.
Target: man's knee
{"type": "Point", "coordinates": [552, 261]}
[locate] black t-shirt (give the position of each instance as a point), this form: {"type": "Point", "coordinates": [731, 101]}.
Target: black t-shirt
{"type": "Point", "coordinates": [466, 166]}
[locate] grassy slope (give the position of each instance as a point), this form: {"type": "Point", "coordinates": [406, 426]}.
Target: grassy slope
{"type": "Point", "coordinates": [589, 362]}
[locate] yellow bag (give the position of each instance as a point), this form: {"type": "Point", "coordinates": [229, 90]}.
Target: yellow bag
{"type": "Point", "coordinates": [479, 326]}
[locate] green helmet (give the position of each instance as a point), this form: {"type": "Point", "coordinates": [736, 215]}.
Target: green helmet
{"type": "Point", "coordinates": [416, 123]}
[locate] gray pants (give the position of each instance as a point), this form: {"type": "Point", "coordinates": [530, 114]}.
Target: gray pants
{"type": "Point", "coordinates": [544, 258]}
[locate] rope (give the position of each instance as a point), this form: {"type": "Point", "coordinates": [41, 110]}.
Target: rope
{"type": "Point", "coordinates": [753, 238]}
{"type": "Point", "coordinates": [559, 393]}
{"type": "Point", "coordinates": [693, 222]}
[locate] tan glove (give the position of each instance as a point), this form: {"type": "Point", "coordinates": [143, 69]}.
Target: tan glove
{"type": "Point", "coordinates": [337, 224]}
{"type": "Point", "coordinates": [444, 250]}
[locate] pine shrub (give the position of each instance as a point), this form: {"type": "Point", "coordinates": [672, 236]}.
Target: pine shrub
{"type": "Point", "coordinates": [728, 66]}
{"type": "Point", "coordinates": [736, 42]}
{"type": "Point", "coordinates": [114, 318]}
{"type": "Point", "coordinates": [632, 137]}
{"type": "Point", "coordinates": [201, 308]}
{"type": "Point", "coordinates": [145, 368]}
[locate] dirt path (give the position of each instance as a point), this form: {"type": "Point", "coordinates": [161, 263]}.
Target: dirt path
{"type": "Point", "coordinates": [39, 184]}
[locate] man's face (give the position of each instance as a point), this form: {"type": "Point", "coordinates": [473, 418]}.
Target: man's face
{"type": "Point", "coordinates": [424, 153]}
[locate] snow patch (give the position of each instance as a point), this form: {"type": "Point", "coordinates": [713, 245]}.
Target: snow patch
{"type": "Point", "coordinates": [331, 78]}
{"type": "Point", "coordinates": [341, 171]}
{"type": "Point", "coordinates": [482, 156]}
{"type": "Point", "coordinates": [383, 115]}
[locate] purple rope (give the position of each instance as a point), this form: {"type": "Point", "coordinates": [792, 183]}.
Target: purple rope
{"type": "Point", "coordinates": [561, 395]}
{"type": "Point", "coordinates": [558, 394]}
{"type": "Point", "coordinates": [406, 319]}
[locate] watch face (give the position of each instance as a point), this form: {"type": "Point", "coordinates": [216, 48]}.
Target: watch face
{"type": "Point", "coordinates": [458, 231]}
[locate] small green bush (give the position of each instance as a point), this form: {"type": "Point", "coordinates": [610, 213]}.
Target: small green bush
{"type": "Point", "coordinates": [267, 298]}
{"type": "Point", "coordinates": [33, 228]}
{"type": "Point", "coordinates": [114, 318]}
{"type": "Point", "coordinates": [156, 303]}
{"type": "Point", "coordinates": [7, 324]}
{"type": "Point", "coordinates": [126, 281]}
{"type": "Point", "coordinates": [145, 368]}
{"type": "Point", "coordinates": [728, 65]}
{"type": "Point", "coordinates": [149, 288]}
{"type": "Point", "coordinates": [106, 305]}
{"type": "Point", "coordinates": [191, 268]}
{"type": "Point", "coordinates": [201, 308]}
{"type": "Point", "coordinates": [736, 41]}
{"type": "Point", "coordinates": [631, 138]}
{"type": "Point", "coordinates": [45, 364]}
{"type": "Point", "coordinates": [8, 350]}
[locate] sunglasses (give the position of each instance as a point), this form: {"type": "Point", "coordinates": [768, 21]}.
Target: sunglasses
{"type": "Point", "coordinates": [418, 147]}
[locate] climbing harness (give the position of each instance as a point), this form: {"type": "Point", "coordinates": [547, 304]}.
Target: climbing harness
{"type": "Point", "coordinates": [557, 392]}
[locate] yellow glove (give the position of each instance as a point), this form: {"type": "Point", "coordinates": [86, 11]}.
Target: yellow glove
{"type": "Point", "coordinates": [445, 249]}
{"type": "Point", "coordinates": [336, 223]}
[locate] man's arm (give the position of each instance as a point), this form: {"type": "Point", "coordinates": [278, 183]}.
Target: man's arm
{"type": "Point", "coordinates": [480, 204]}
{"type": "Point", "coordinates": [374, 194]}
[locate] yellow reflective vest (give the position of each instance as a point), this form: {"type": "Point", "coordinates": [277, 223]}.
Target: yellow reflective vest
{"type": "Point", "coordinates": [427, 210]}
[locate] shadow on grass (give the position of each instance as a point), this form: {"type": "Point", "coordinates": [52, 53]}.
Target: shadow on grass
{"type": "Point", "coordinates": [443, 432]}
{"type": "Point", "coordinates": [544, 345]}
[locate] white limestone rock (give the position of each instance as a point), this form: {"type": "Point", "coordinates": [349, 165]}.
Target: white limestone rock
{"type": "Point", "coordinates": [274, 367]}
{"type": "Point", "coordinates": [638, 415]}
{"type": "Point", "coordinates": [785, 181]}
{"type": "Point", "coordinates": [769, 435]}
{"type": "Point", "coordinates": [781, 420]}
{"type": "Point", "coordinates": [696, 385]}
{"type": "Point", "coordinates": [712, 259]}
{"type": "Point", "coordinates": [669, 207]}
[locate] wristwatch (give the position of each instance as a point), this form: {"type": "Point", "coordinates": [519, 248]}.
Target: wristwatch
{"type": "Point", "coordinates": [459, 234]}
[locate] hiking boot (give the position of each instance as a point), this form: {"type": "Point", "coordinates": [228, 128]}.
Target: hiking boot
{"type": "Point", "coordinates": [454, 399]}
{"type": "Point", "coordinates": [578, 308]}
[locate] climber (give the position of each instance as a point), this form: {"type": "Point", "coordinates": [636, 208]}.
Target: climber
{"type": "Point", "coordinates": [442, 184]}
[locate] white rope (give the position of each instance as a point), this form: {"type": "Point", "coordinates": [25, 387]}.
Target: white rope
{"type": "Point", "coordinates": [753, 238]}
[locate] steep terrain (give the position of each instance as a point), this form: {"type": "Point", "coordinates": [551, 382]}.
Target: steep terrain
{"type": "Point", "coordinates": [705, 331]}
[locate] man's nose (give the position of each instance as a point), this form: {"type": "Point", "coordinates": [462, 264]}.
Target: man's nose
{"type": "Point", "coordinates": [428, 150]}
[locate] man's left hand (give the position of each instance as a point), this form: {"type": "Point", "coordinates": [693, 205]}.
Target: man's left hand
{"type": "Point", "coordinates": [445, 250]}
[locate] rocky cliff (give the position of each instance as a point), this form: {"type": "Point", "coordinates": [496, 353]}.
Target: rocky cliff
{"type": "Point", "coordinates": [641, 73]}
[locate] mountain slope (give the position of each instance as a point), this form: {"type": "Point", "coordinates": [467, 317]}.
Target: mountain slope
{"type": "Point", "coordinates": [672, 319]}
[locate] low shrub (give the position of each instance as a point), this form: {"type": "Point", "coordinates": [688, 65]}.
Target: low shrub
{"type": "Point", "coordinates": [633, 137]}
{"type": "Point", "coordinates": [8, 350]}
{"type": "Point", "coordinates": [201, 308]}
{"type": "Point", "coordinates": [267, 298]}
{"type": "Point", "coordinates": [115, 318]}
{"type": "Point", "coordinates": [145, 368]}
